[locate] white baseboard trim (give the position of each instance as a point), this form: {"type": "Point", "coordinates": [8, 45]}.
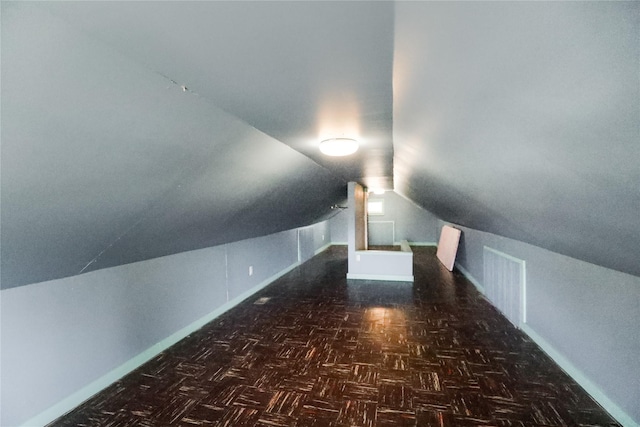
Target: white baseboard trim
{"type": "Point", "coordinates": [323, 248]}
{"type": "Point", "coordinates": [470, 278]}
{"type": "Point", "coordinates": [566, 365]}
{"type": "Point", "coordinates": [340, 243]}
{"type": "Point", "coordinates": [420, 243]}
{"type": "Point", "coordinates": [593, 390]}
{"type": "Point", "coordinates": [386, 277]}
{"type": "Point", "coordinates": [86, 392]}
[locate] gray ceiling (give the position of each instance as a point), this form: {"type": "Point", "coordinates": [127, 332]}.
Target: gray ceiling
{"type": "Point", "coordinates": [297, 71]}
{"type": "Point", "coordinates": [520, 119]}
{"type": "Point", "coordinates": [523, 119]}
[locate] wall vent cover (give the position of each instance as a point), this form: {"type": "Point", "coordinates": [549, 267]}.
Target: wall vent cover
{"type": "Point", "coordinates": [505, 284]}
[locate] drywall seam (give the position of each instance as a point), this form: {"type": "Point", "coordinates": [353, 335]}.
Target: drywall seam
{"type": "Point", "coordinates": [594, 391]}
{"type": "Point", "coordinates": [564, 363]}
{"type": "Point", "coordinates": [78, 397]}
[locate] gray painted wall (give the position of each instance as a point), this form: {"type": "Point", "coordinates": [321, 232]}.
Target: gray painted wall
{"type": "Point", "coordinates": [521, 119]}
{"type": "Point", "coordinates": [412, 222]}
{"type": "Point", "coordinates": [587, 313]}
{"type": "Point", "coordinates": [312, 239]}
{"type": "Point", "coordinates": [267, 255]}
{"type": "Point", "coordinates": [338, 227]}
{"type": "Point", "coordinates": [106, 161]}
{"type": "Point", "coordinates": [60, 336]}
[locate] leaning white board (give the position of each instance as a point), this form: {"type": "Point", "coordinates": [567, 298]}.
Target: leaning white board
{"type": "Point", "coordinates": [448, 246]}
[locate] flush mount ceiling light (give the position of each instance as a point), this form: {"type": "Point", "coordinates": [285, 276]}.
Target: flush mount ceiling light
{"type": "Point", "coordinates": [339, 146]}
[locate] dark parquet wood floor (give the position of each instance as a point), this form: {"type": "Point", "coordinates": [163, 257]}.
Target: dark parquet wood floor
{"type": "Point", "coordinates": [324, 352]}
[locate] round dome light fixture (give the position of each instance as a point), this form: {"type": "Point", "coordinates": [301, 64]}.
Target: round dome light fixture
{"type": "Point", "coordinates": [339, 146]}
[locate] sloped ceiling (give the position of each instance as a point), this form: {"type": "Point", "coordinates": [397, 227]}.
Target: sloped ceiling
{"type": "Point", "coordinates": [132, 130]}
{"type": "Point", "coordinates": [107, 159]}
{"type": "Point", "coordinates": [523, 119]}
{"type": "Point", "coordinates": [298, 71]}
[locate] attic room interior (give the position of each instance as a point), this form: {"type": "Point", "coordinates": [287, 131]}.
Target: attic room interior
{"type": "Point", "coordinates": [174, 245]}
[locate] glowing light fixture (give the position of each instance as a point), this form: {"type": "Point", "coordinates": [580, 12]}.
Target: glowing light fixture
{"type": "Point", "coordinates": [377, 191]}
{"type": "Point", "coordinates": [339, 146]}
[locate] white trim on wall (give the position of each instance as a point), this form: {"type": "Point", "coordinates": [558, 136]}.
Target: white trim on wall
{"type": "Point", "coordinates": [323, 248]}
{"type": "Point", "coordinates": [75, 399]}
{"type": "Point", "coordinates": [434, 244]}
{"type": "Point", "coordinates": [593, 390]}
{"type": "Point", "coordinates": [385, 277]}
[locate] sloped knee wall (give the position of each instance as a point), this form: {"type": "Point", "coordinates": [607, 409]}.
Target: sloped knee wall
{"type": "Point", "coordinates": [583, 315]}
{"type": "Point", "coordinates": [66, 339]}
